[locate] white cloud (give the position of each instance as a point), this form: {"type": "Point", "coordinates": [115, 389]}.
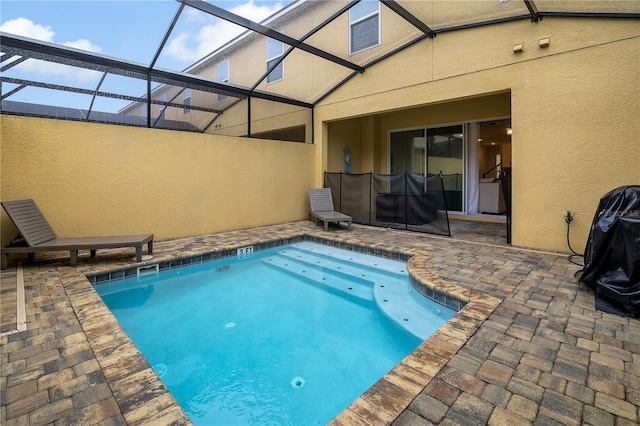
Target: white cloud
{"type": "Point", "coordinates": [83, 45]}
{"type": "Point", "coordinates": [192, 46]}
{"type": "Point", "coordinates": [27, 28]}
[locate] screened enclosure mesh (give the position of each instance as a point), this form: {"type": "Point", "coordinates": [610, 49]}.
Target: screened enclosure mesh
{"type": "Point", "coordinates": [399, 201]}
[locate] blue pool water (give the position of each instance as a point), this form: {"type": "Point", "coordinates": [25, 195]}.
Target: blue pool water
{"type": "Point", "coordinates": [288, 336]}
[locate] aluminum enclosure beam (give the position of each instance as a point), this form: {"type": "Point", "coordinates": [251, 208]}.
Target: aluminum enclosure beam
{"type": "Point", "coordinates": [166, 35]}
{"type": "Point", "coordinates": [533, 10]}
{"type": "Point", "coordinates": [409, 17]}
{"type": "Point", "coordinates": [261, 29]}
{"type": "Point", "coordinates": [91, 92]}
{"type": "Point", "coordinates": [51, 52]}
{"type": "Point", "coordinates": [606, 15]}
{"type": "Point", "coordinates": [306, 36]}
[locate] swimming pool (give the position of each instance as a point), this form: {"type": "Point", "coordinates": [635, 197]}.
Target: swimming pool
{"type": "Point", "coordinates": [261, 340]}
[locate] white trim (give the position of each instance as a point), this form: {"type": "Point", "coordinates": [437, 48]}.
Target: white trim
{"type": "Point", "coordinates": [21, 315]}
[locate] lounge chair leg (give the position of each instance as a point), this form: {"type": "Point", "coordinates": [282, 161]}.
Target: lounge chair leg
{"type": "Point", "coordinates": [93, 253]}
{"type": "Point", "coordinates": [150, 247]}
{"type": "Point", "coordinates": [73, 257]}
{"type": "Point", "coordinates": [139, 253]}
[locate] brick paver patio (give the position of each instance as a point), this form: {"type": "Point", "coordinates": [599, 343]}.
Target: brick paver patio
{"type": "Point", "coordinates": [529, 347]}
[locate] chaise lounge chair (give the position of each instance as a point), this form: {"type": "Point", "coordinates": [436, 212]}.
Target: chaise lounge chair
{"type": "Point", "coordinates": [38, 236]}
{"type": "Point", "coordinates": [322, 208]}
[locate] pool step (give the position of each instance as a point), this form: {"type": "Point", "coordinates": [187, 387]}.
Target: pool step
{"type": "Point", "coordinates": [381, 280]}
{"type": "Point", "coordinates": [349, 267]}
{"type": "Point", "coordinates": [410, 309]}
{"type": "Point", "coordinates": [366, 262]}
{"type": "Point", "coordinates": [331, 280]}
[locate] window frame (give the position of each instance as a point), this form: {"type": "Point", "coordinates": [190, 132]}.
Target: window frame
{"type": "Point", "coordinates": [186, 100]}
{"type": "Point", "coordinates": [269, 59]}
{"type": "Point", "coordinates": [222, 97]}
{"type": "Point", "coordinates": [353, 22]}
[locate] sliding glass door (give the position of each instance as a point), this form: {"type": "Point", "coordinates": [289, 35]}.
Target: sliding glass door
{"type": "Point", "coordinates": [408, 151]}
{"type": "Point", "coordinates": [426, 151]}
{"type": "Point", "coordinates": [445, 149]}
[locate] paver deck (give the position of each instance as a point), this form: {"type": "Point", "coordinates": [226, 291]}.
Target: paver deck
{"type": "Point", "coordinates": [529, 347]}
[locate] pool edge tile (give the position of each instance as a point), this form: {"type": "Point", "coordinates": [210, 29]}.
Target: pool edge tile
{"type": "Point", "coordinates": [119, 358]}
{"type": "Point", "coordinates": [436, 351]}
{"type": "Point", "coordinates": [426, 361]}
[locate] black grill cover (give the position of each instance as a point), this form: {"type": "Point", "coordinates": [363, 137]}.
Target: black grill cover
{"type": "Point", "coordinates": [612, 253]}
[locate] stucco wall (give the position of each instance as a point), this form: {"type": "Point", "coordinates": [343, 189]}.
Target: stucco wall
{"type": "Point", "coordinates": [575, 110]}
{"type": "Point", "coordinates": [92, 179]}
{"type": "Point", "coordinates": [578, 137]}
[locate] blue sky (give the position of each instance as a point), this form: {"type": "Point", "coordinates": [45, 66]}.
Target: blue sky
{"type": "Point", "coordinates": [124, 29]}
{"type": "Point", "coordinates": [131, 29]}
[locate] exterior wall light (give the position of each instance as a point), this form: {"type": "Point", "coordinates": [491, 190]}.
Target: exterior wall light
{"type": "Point", "coordinates": [545, 41]}
{"type": "Point", "coordinates": [518, 48]}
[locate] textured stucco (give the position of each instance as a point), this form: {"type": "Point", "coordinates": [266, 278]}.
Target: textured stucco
{"type": "Point", "coordinates": [575, 112]}
{"type": "Point", "coordinates": [574, 108]}
{"type": "Point", "coordinates": [92, 179]}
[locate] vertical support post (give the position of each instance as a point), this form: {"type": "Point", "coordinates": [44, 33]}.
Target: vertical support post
{"type": "Point", "coordinates": [340, 196]}
{"type": "Point", "coordinates": [249, 116]}
{"type": "Point", "coordinates": [370, 196]}
{"type": "Point", "coordinates": [406, 200]}
{"type": "Point", "coordinates": [505, 181]}
{"type": "Point", "coordinates": [148, 100]}
{"type": "Point", "coordinates": [444, 199]}
{"type": "Point", "coordinates": [313, 127]}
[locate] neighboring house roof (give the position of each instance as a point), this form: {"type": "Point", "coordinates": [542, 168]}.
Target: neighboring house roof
{"type": "Point", "coordinates": [48, 111]}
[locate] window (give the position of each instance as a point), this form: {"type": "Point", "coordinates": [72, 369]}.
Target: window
{"type": "Point", "coordinates": [160, 107]}
{"type": "Point", "coordinates": [223, 76]}
{"type": "Point", "coordinates": [275, 49]}
{"type": "Point", "coordinates": [364, 25]}
{"type": "Point", "coordinates": [187, 101]}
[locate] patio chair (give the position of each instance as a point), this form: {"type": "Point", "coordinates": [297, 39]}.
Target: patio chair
{"type": "Point", "coordinates": [322, 208]}
{"type": "Point", "coordinates": [38, 236]}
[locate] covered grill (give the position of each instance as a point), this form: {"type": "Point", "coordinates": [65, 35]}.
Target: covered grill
{"type": "Point", "coordinates": [612, 253]}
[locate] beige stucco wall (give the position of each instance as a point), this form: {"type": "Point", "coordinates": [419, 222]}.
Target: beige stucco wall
{"type": "Point", "coordinates": [93, 179]}
{"type": "Point", "coordinates": [574, 106]}
{"type": "Point", "coordinates": [575, 110]}
{"type": "Point", "coordinates": [367, 137]}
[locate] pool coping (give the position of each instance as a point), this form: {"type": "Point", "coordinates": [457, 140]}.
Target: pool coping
{"type": "Point", "coordinates": [383, 402]}
{"type": "Point", "coordinates": [143, 397]}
